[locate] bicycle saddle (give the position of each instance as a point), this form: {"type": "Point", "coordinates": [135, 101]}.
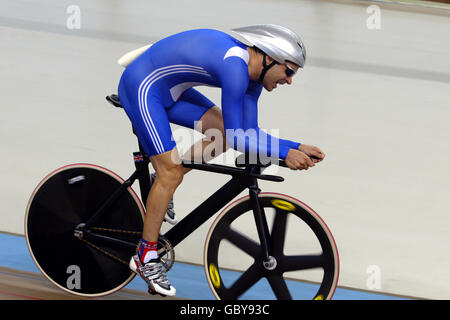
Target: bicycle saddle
{"type": "Point", "coordinates": [114, 100]}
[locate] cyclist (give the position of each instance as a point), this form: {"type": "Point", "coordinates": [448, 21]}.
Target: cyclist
{"type": "Point", "coordinates": [156, 89]}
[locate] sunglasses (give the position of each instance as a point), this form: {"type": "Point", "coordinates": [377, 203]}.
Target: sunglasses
{"type": "Point", "coordinates": [289, 71]}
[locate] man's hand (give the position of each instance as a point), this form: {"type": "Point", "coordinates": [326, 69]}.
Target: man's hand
{"type": "Point", "coordinates": [298, 160]}
{"type": "Point", "coordinates": [305, 157]}
{"type": "Point", "coordinates": [313, 152]}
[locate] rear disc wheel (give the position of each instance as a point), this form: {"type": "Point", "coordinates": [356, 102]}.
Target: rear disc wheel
{"type": "Point", "coordinates": [78, 264]}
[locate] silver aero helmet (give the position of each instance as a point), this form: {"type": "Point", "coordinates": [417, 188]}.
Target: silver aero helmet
{"type": "Point", "coordinates": [279, 43]}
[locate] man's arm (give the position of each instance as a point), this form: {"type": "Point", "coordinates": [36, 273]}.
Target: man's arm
{"type": "Point", "coordinates": [251, 121]}
{"type": "Point", "coordinates": [235, 82]}
{"type": "Point", "coordinates": [239, 136]}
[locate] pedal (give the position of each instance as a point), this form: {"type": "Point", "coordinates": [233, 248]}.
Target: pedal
{"type": "Point", "coordinates": [166, 253]}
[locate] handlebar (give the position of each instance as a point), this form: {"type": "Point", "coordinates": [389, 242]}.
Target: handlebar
{"type": "Point", "coordinates": [241, 161]}
{"type": "Point", "coordinates": [245, 160]}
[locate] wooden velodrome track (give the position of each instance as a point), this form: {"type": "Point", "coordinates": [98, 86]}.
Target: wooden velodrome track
{"type": "Point", "coordinates": [22, 285]}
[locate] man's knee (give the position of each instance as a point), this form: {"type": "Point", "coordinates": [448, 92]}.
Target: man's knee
{"type": "Point", "coordinates": [170, 177]}
{"type": "Point", "coordinates": [169, 171]}
{"type": "Point", "coordinates": [217, 136]}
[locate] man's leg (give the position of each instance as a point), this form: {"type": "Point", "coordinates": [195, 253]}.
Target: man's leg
{"type": "Point", "coordinates": [170, 174]}
{"type": "Point", "coordinates": [151, 125]}
{"type": "Point", "coordinates": [214, 143]}
{"type": "Point", "coordinates": [194, 110]}
{"type": "Point", "coordinates": [146, 263]}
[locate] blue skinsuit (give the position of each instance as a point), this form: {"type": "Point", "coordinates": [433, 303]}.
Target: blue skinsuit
{"type": "Point", "coordinates": [157, 89]}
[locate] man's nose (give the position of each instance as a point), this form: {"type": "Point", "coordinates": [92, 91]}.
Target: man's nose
{"type": "Point", "coordinates": [289, 80]}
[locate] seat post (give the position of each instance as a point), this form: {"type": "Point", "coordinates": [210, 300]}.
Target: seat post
{"type": "Point", "coordinates": [141, 162]}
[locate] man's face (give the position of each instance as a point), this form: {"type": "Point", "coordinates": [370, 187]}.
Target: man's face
{"type": "Point", "coordinates": [277, 75]}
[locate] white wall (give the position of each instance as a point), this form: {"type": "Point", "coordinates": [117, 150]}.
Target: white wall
{"type": "Point", "coordinates": [375, 101]}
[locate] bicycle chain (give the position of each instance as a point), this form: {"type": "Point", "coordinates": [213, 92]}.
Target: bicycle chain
{"type": "Point", "coordinates": [116, 230]}
{"type": "Point", "coordinates": [167, 243]}
{"type": "Point", "coordinates": [109, 254]}
{"type": "Point", "coordinates": [104, 251]}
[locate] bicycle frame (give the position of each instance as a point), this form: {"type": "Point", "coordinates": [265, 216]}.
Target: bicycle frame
{"type": "Point", "coordinates": [241, 179]}
{"type": "Point", "coordinates": [101, 210]}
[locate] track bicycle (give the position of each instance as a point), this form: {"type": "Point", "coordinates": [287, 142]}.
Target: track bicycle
{"type": "Point", "coordinates": [85, 218]}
